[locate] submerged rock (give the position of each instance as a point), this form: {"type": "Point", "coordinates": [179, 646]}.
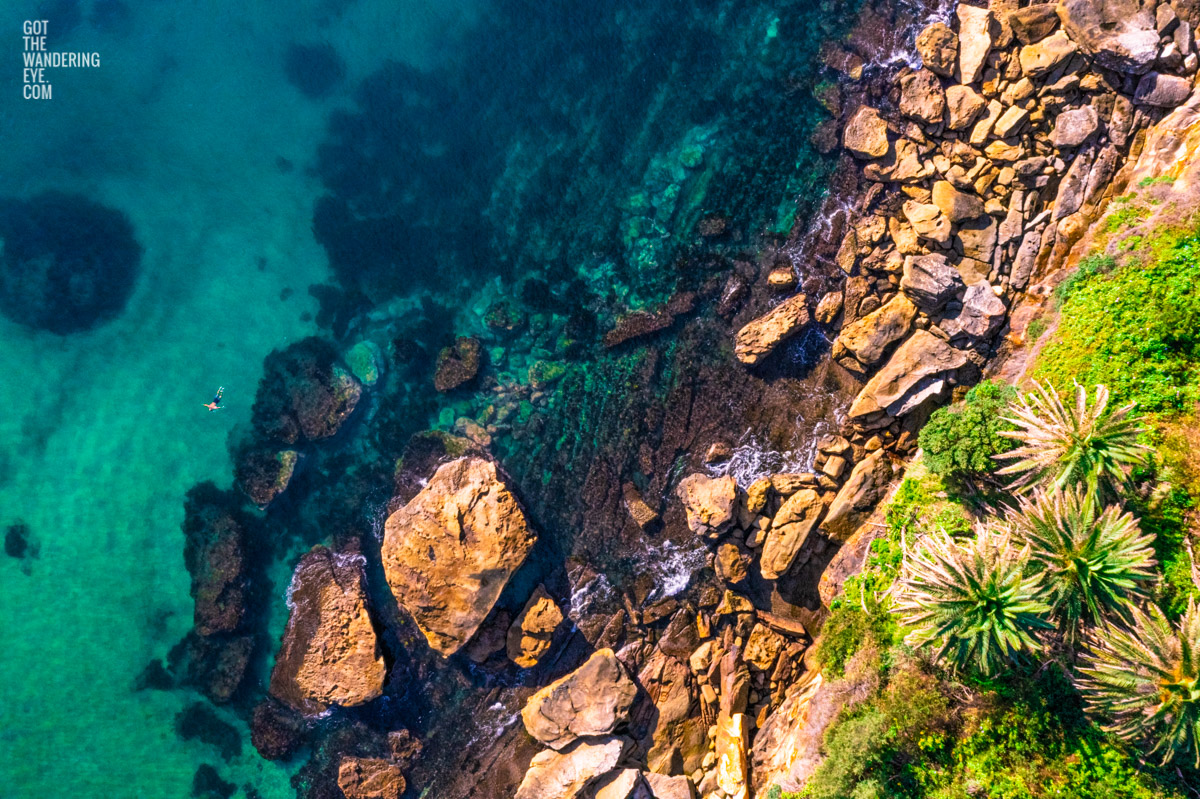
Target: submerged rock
{"type": "Point", "coordinates": [213, 552]}
{"type": "Point", "coordinates": [67, 264]}
{"type": "Point", "coordinates": [592, 700]}
{"type": "Point", "coordinates": [330, 654]}
{"type": "Point", "coordinates": [458, 365]}
{"type": "Point", "coordinates": [306, 393]}
{"type": "Point", "coordinates": [370, 778]}
{"type": "Point", "coordinates": [449, 552]}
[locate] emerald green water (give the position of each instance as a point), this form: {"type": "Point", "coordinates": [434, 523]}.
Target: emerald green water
{"type": "Point", "coordinates": [103, 431]}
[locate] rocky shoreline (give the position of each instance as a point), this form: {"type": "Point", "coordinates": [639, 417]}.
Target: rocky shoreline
{"type": "Point", "coordinates": [973, 179]}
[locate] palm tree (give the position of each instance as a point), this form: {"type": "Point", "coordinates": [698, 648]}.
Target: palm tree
{"type": "Point", "coordinates": [1062, 446]}
{"type": "Point", "coordinates": [1092, 563]}
{"type": "Point", "coordinates": [1145, 680]}
{"type": "Point", "coordinates": [973, 599]}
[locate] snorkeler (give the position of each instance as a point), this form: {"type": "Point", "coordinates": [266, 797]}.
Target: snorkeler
{"type": "Point", "coordinates": [215, 405]}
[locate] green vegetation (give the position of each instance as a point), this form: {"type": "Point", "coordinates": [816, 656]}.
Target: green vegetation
{"type": "Point", "coordinates": [1092, 564]}
{"type": "Point", "coordinates": [1136, 329]}
{"type": "Point", "coordinates": [961, 442]}
{"type": "Point", "coordinates": [1086, 444]}
{"type": "Point", "coordinates": [1156, 181]}
{"type": "Point", "coordinates": [1036, 329]}
{"type": "Point", "coordinates": [1124, 217]}
{"type": "Point", "coordinates": [1146, 679]}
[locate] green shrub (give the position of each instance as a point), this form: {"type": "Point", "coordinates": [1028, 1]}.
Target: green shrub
{"type": "Point", "coordinates": [961, 440]}
{"type": "Point", "coordinates": [1036, 329]}
{"type": "Point", "coordinates": [1088, 268]}
{"type": "Point", "coordinates": [1137, 330]}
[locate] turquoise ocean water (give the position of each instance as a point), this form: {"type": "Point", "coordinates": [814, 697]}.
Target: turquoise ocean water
{"type": "Point", "coordinates": [571, 159]}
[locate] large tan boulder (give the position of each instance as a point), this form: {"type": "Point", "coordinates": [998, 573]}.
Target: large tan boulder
{"type": "Point", "coordinates": [330, 654]}
{"type": "Point", "coordinates": [759, 338]}
{"type": "Point", "coordinates": [928, 221]}
{"type": "Point", "coordinates": [532, 632]}
{"type": "Point", "coordinates": [1038, 59]}
{"type": "Point", "coordinates": [922, 97]}
{"type": "Point", "coordinates": [370, 778]}
{"type": "Point", "coordinates": [869, 338]}
{"type": "Point", "coordinates": [781, 741]}
{"type": "Point", "coordinates": [449, 552]}
{"type": "Point", "coordinates": [858, 496]}
{"type": "Point", "coordinates": [592, 700]}
{"type": "Point", "coordinates": [963, 106]}
{"type": "Point", "coordinates": [709, 502]}
{"type": "Point", "coordinates": [938, 47]}
{"type": "Point", "coordinates": [930, 281]}
{"type": "Point", "coordinates": [915, 372]}
{"type": "Point", "coordinates": [663, 786]}
{"type": "Point", "coordinates": [569, 773]}
{"type": "Point", "coordinates": [956, 205]}
{"type": "Point", "coordinates": [865, 135]}
{"type": "Point", "coordinates": [1034, 23]}
{"type": "Point", "coordinates": [679, 739]}
{"type": "Point", "coordinates": [977, 30]}
{"type": "Point", "coordinates": [1118, 34]}
{"type": "Point", "coordinates": [796, 518]}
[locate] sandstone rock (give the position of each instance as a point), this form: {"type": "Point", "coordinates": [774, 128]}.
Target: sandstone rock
{"type": "Point", "coordinates": [982, 313]}
{"type": "Point", "coordinates": [856, 500]}
{"type": "Point", "coordinates": [592, 700]}
{"type": "Point", "coordinates": [781, 279]}
{"type": "Point", "coordinates": [915, 372]}
{"type": "Point", "coordinates": [732, 766]}
{"type": "Point", "coordinates": [903, 163]}
{"type": "Point", "coordinates": [457, 365]}
{"type": "Point", "coordinates": [938, 47]}
{"type": "Point", "coordinates": [1038, 59]}
{"type": "Point", "coordinates": [1162, 91]}
{"type": "Point", "coordinates": [829, 307]}
{"type": "Point", "coordinates": [449, 552]}
{"type": "Point", "coordinates": [759, 338]}
{"type": "Point", "coordinates": [796, 518]}
{"type": "Point", "coordinates": [665, 787]}
{"type": "Point", "coordinates": [763, 647]}
{"type": "Point", "coordinates": [930, 281]}
{"type": "Point", "coordinates": [370, 778]}
{"type": "Point", "coordinates": [1074, 127]}
{"type": "Point", "coordinates": [567, 774]}
{"type": "Point", "coordinates": [869, 338]}
{"type": "Point", "coordinates": [1011, 122]}
{"type": "Point", "coordinates": [330, 654]}
{"type": "Point", "coordinates": [922, 97]}
{"type": "Point", "coordinates": [306, 393]}
{"type": "Point", "coordinates": [963, 106]}
{"type": "Point", "coordinates": [642, 514]}
{"type": "Point", "coordinates": [927, 221]}
{"type": "Point", "coordinates": [732, 564]}
{"type": "Point", "coordinates": [757, 494]}
{"type": "Point", "coordinates": [865, 135]}
{"type": "Point", "coordinates": [983, 128]}
{"type": "Point", "coordinates": [780, 741]}
{"type": "Point", "coordinates": [1034, 23]}
{"type": "Point", "coordinates": [1073, 187]}
{"type": "Point", "coordinates": [978, 239]}
{"type": "Point", "coordinates": [955, 204]}
{"type": "Point", "coordinates": [976, 33]}
{"type": "Point", "coordinates": [625, 783]}
{"type": "Point", "coordinates": [532, 632]}
{"type": "Point", "coordinates": [710, 503]}
{"type": "Point", "coordinates": [679, 739]}
{"type": "Point", "coordinates": [1116, 33]}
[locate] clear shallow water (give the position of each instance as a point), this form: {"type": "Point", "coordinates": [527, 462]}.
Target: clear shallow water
{"type": "Point", "coordinates": [181, 129]}
{"type": "Point", "coordinates": [584, 155]}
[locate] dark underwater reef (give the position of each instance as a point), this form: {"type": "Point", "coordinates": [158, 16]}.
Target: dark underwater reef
{"type": "Point", "coordinates": [67, 263]}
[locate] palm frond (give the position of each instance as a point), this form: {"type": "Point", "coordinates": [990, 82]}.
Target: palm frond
{"type": "Point", "coordinates": [1062, 446]}
{"type": "Point", "coordinates": [1144, 681]}
{"type": "Point", "coordinates": [972, 600]}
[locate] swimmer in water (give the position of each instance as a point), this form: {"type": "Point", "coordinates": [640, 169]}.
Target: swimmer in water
{"type": "Point", "coordinates": [215, 405]}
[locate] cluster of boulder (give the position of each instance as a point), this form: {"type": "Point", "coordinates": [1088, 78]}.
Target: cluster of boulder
{"type": "Point", "coordinates": [982, 168]}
